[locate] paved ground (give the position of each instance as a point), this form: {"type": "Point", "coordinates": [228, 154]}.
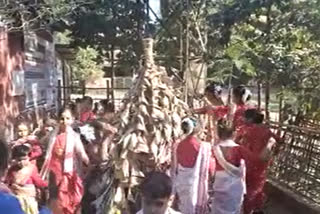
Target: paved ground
{"type": "Point", "coordinates": [275, 207]}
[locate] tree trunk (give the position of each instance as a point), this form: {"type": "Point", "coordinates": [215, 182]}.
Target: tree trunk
{"type": "Point", "coordinates": [267, 96]}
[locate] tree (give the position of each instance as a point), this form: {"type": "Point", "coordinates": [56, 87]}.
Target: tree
{"type": "Point", "coordinates": [85, 66]}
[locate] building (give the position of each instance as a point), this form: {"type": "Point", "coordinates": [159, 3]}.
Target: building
{"type": "Point", "coordinates": [28, 78]}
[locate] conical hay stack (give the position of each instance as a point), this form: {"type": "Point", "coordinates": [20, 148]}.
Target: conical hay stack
{"type": "Point", "coordinates": [149, 122]}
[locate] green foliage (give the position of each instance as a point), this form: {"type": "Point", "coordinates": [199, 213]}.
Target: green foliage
{"type": "Point", "coordinates": [255, 40]}
{"type": "Point", "coordinates": [63, 38]}
{"type": "Point", "coordinates": [248, 40]}
{"type": "Point", "coordinates": [85, 67]}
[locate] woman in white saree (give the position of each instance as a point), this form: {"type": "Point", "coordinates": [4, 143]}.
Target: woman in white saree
{"type": "Point", "coordinates": [229, 186]}
{"type": "Point", "coordinates": [191, 176]}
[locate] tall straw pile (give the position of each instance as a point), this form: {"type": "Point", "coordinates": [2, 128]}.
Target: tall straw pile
{"type": "Point", "coordinates": [148, 124]}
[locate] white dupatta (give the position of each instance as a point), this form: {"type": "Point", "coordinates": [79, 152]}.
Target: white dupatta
{"type": "Point", "coordinates": [72, 141]}
{"type": "Point", "coordinates": [229, 185]}
{"type": "Point", "coordinates": [191, 184]}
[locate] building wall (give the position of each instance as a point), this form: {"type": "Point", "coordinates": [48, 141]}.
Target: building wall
{"type": "Point", "coordinates": [11, 60]}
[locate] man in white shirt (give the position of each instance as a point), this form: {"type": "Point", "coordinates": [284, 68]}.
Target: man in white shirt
{"type": "Point", "coordinates": [157, 194]}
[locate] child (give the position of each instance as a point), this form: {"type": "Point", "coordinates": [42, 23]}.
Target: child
{"type": "Point", "coordinates": [106, 110]}
{"type": "Point", "coordinates": [23, 178]}
{"type": "Point", "coordinates": [229, 186]}
{"type": "Point", "coordinates": [157, 194]}
{"type": "Point", "coordinates": [86, 114]}
{"type": "Point", "coordinates": [26, 138]}
{"type": "Point", "coordinates": [8, 201]}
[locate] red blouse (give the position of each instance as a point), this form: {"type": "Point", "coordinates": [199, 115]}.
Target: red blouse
{"type": "Point", "coordinates": [34, 178]}
{"type": "Point", "coordinates": [221, 112]}
{"type": "Point", "coordinates": [36, 150]}
{"type": "Point", "coordinates": [187, 153]}
{"type": "Point", "coordinates": [234, 155]}
{"type": "Point", "coordinates": [87, 116]}
{"type": "Point", "coordinates": [255, 137]}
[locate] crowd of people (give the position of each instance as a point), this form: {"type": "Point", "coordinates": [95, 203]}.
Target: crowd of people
{"type": "Point", "coordinates": [43, 170]}
{"type": "Point", "coordinates": [48, 170]}
{"type": "Point", "coordinates": [232, 164]}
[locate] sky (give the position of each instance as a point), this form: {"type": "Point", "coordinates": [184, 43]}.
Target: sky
{"type": "Point", "coordinates": [155, 5]}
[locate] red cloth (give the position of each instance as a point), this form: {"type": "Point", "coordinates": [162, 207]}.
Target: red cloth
{"type": "Point", "coordinates": [221, 112]}
{"type": "Point", "coordinates": [187, 153]}
{"type": "Point", "coordinates": [36, 150]}
{"type": "Point", "coordinates": [234, 155]}
{"type": "Point", "coordinates": [255, 138]}
{"type": "Point", "coordinates": [34, 178]}
{"type": "Point", "coordinates": [87, 116]}
{"type": "Point", "coordinates": [238, 118]}
{"type": "Point", "coordinates": [70, 187]}
{"type": "Point", "coordinates": [218, 112]}
{"type": "Point", "coordinates": [70, 193]}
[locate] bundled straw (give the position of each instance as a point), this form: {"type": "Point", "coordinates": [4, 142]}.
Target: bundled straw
{"type": "Point", "coordinates": [149, 123]}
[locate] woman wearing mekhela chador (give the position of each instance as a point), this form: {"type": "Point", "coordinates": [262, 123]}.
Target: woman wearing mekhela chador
{"type": "Point", "coordinates": [213, 99]}
{"type": "Point", "coordinates": [193, 169]}
{"type": "Point", "coordinates": [65, 152]}
{"type": "Point", "coordinates": [235, 111]}
{"type": "Point", "coordinates": [255, 136]}
{"type": "Point", "coordinates": [229, 185]}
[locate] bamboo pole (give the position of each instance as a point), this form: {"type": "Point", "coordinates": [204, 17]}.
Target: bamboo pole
{"type": "Point", "coordinates": [112, 74]}
{"type": "Point", "coordinates": [267, 98]}
{"type": "Point", "coordinates": [280, 107]}
{"type": "Point", "coordinates": [259, 94]}
{"type": "Point", "coordinates": [187, 48]}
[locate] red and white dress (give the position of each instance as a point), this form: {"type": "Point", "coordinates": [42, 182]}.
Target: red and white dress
{"type": "Point", "coordinates": [229, 184]}
{"type": "Point", "coordinates": [194, 166]}
{"type": "Point", "coordinates": [61, 162]}
{"type": "Point", "coordinates": [221, 112]}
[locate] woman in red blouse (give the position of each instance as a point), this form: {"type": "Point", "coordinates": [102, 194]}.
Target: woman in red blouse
{"type": "Point", "coordinates": [64, 155]}
{"type": "Point", "coordinates": [194, 167]}
{"type": "Point", "coordinates": [256, 136]}
{"type": "Point", "coordinates": [215, 109]}
{"type": "Point", "coordinates": [232, 161]}
{"type": "Point", "coordinates": [240, 96]}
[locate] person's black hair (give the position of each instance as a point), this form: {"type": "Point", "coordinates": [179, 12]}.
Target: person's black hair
{"type": "Point", "coordinates": [225, 130]}
{"type": "Point", "coordinates": [72, 106]}
{"type": "Point", "coordinates": [95, 108]}
{"type": "Point", "coordinates": [20, 151]}
{"type": "Point", "coordinates": [254, 115]}
{"type": "Point", "coordinates": [67, 108]}
{"type": "Point", "coordinates": [157, 185]}
{"type": "Point", "coordinates": [88, 99]}
{"type": "Point", "coordinates": [259, 118]}
{"type": "Point", "coordinates": [78, 100]}
{"type": "Point", "coordinates": [4, 156]}
{"type": "Point", "coordinates": [214, 88]}
{"type": "Point", "coordinates": [107, 105]}
{"type": "Point", "coordinates": [240, 91]}
{"type": "Point", "coordinates": [23, 122]}
{"type": "Point", "coordinates": [185, 126]}
{"type": "Point", "coordinates": [250, 114]}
